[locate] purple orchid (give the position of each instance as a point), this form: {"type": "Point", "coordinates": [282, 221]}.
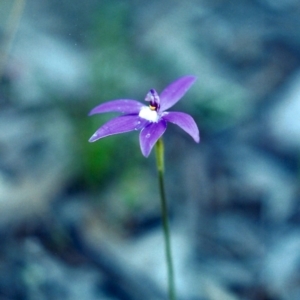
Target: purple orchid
{"type": "Point", "coordinates": [152, 119]}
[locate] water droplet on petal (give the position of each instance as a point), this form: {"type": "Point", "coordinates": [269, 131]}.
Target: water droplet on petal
{"type": "Point", "coordinates": [148, 135]}
{"type": "Point", "coordinates": [137, 123]}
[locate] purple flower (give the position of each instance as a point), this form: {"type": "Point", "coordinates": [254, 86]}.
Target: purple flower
{"type": "Point", "coordinates": [152, 119]}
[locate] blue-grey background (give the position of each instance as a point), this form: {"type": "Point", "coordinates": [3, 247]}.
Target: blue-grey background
{"type": "Point", "coordinates": [81, 220]}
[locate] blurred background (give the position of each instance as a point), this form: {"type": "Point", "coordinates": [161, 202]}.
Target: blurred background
{"type": "Point", "coordinates": [81, 220]}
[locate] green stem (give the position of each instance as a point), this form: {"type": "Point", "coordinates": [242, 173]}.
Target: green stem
{"type": "Point", "coordinates": [159, 147]}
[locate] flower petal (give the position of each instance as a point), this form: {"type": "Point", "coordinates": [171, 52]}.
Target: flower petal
{"type": "Point", "coordinates": [119, 125]}
{"type": "Point", "coordinates": [184, 121]}
{"type": "Point", "coordinates": [150, 134]}
{"type": "Point", "coordinates": [124, 106]}
{"type": "Point", "coordinates": [175, 91]}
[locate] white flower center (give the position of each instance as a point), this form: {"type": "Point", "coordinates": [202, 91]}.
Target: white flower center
{"type": "Point", "coordinates": [148, 114]}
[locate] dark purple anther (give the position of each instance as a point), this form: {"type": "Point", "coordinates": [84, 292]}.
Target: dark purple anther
{"type": "Point", "coordinates": [153, 99]}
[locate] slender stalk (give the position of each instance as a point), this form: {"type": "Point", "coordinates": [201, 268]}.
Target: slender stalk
{"type": "Point", "coordinates": [159, 149]}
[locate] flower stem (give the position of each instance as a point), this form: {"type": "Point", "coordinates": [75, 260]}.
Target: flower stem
{"type": "Point", "coordinates": [159, 147]}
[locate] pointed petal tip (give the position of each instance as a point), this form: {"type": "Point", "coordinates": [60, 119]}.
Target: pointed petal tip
{"type": "Point", "coordinates": [191, 77]}
{"type": "Point", "coordinates": [196, 137]}
{"type": "Point", "coordinates": [123, 106]}
{"type": "Point", "coordinates": [145, 154]}
{"type": "Point", "coordinates": [190, 80]}
{"type": "Point", "coordinates": [93, 111]}
{"type": "Point", "coordinates": [93, 138]}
